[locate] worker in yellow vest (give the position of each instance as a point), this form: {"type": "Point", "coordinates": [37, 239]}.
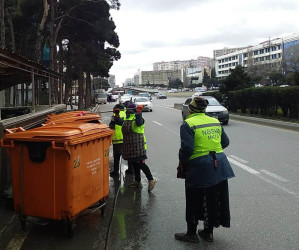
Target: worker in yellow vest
{"type": "Point", "coordinates": [117, 138]}
{"type": "Point", "coordinates": [134, 145]}
{"type": "Point", "coordinates": [206, 171]}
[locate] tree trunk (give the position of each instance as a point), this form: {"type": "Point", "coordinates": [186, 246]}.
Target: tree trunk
{"type": "Point", "coordinates": [81, 90]}
{"type": "Point", "coordinates": [38, 46]}
{"type": "Point", "coordinates": [88, 90]}
{"type": "Point", "coordinates": [12, 32]}
{"type": "Point", "coordinates": [2, 25]}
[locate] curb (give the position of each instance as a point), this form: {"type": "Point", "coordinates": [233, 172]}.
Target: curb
{"type": "Point", "coordinates": [268, 122]}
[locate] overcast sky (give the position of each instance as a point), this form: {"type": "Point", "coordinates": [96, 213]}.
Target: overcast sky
{"type": "Point", "coordinates": [166, 30]}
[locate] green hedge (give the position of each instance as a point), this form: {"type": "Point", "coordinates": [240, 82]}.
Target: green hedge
{"type": "Point", "coordinates": [266, 101]}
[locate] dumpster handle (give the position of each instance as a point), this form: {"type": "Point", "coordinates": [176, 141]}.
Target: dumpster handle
{"type": "Point", "coordinates": [59, 145]}
{"type": "Point", "coordinates": [7, 143]}
{"type": "Point", "coordinates": [13, 130]}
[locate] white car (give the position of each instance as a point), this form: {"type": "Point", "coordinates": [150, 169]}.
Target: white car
{"type": "Point", "coordinates": [145, 102]}
{"type": "Point", "coordinates": [197, 94]}
{"type": "Point", "coordinates": [126, 98]}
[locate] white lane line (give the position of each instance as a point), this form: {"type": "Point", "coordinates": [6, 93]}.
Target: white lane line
{"type": "Point", "coordinates": [275, 176]}
{"type": "Point", "coordinates": [279, 186]}
{"type": "Point", "coordinates": [258, 174]}
{"type": "Point", "coordinates": [238, 159]}
{"type": "Point", "coordinates": [241, 165]}
{"type": "Point", "coordinates": [157, 123]}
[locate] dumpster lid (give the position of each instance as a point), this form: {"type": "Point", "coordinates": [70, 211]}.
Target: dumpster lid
{"type": "Point", "coordinates": [74, 116]}
{"type": "Point", "coordinates": [61, 132]}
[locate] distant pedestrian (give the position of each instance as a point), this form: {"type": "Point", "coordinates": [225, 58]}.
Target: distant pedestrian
{"type": "Point", "coordinates": [206, 170]}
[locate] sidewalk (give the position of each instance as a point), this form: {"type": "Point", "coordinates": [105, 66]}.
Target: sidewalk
{"type": "Point", "coordinates": [9, 223]}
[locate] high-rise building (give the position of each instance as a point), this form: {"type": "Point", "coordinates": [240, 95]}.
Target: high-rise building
{"type": "Point", "coordinates": [267, 54]}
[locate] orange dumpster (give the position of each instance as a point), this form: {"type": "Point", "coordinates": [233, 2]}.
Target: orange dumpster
{"type": "Point", "coordinates": [59, 170]}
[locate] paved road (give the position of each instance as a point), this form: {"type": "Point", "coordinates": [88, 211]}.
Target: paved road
{"type": "Point", "coordinates": [264, 194]}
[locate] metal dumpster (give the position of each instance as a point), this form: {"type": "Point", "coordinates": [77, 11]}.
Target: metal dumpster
{"type": "Point", "coordinates": [59, 170]}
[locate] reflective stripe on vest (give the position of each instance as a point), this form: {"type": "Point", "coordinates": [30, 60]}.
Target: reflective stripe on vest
{"type": "Point", "coordinates": [207, 134]}
{"type": "Point", "coordinates": [117, 138]}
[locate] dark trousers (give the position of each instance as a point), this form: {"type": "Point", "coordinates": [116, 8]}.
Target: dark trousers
{"type": "Point", "coordinates": [145, 169]}
{"type": "Point", "coordinates": [116, 155]}
{"type": "Point", "coordinates": [210, 205]}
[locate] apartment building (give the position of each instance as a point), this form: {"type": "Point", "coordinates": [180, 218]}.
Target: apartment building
{"type": "Point", "coordinates": [200, 62]}
{"type": "Point", "coordinates": [160, 76]}
{"type": "Point", "coordinates": [266, 54]}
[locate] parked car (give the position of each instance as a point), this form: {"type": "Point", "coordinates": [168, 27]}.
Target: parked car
{"type": "Point", "coordinates": [102, 98]}
{"type": "Point", "coordinates": [200, 89]}
{"type": "Point", "coordinates": [145, 102]}
{"type": "Point", "coordinates": [145, 94]}
{"type": "Point", "coordinates": [161, 96]}
{"type": "Point", "coordinates": [173, 91]}
{"type": "Point", "coordinates": [214, 109]}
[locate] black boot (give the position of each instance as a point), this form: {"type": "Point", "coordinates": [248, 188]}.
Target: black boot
{"type": "Point", "coordinates": [186, 237]}
{"type": "Point", "coordinates": [206, 235]}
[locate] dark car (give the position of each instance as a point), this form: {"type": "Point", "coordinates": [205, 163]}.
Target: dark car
{"type": "Point", "coordinates": [161, 96]}
{"type": "Point", "coordinates": [214, 109]}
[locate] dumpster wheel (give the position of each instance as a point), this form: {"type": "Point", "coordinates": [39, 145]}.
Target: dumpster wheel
{"type": "Point", "coordinates": [102, 207]}
{"type": "Point", "coordinates": [23, 221]}
{"type": "Point", "coordinates": [69, 227]}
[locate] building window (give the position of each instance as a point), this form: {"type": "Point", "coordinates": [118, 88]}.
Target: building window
{"type": "Point", "coordinates": [273, 48]}
{"type": "Point", "coordinates": [268, 58]}
{"type": "Point", "coordinates": [274, 56]}
{"type": "Point", "coordinates": [262, 59]}
{"type": "Point", "coordinates": [255, 52]}
{"type": "Point", "coordinates": [267, 50]}
{"type": "Point", "coordinates": [279, 46]}
{"type": "Point", "coordinates": [279, 55]}
{"type": "Point", "coordinates": [261, 51]}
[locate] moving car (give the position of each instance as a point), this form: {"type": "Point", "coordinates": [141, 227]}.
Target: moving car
{"type": "Point", "coordinates": [125, 98]}
{"type": "Point", "coordinates": [145, 102]}
{"type": "Point", "coordinates": [197, 94]}
{"type": "Point", "coordinates": [102, 98]}
{"type": "Point", "coordinates": [161, 96]}
{"type": "Point", "coordinates": [145, 94]}
{"type": "Point", "coordinates": [214, 109]}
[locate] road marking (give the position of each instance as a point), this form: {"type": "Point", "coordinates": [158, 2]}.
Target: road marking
{"type": "Point", "coordinates": [17, 241]}
{"type": "Point", "coordinates": [258, 174]}
{"type": "Point", "coordinates": [275, 176]}
{"type": "Point", "coordinates": [241, 165]}
{"type": "Point", "coordinates": [279, 186]}
{"type": "Point", "coordinates": [157, 123]}
{"type": "Point", "coordinates": [166, 107]}
{"type": "Point", "coordinates": [238, 159]}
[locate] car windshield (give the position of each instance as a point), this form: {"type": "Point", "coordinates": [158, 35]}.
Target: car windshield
{"type": "Point", "coordinates": [142, 99]}
{"type": "Point", "coordinates": [102, 95]}
{"type": "Point", "coordinates": [213, 102]}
